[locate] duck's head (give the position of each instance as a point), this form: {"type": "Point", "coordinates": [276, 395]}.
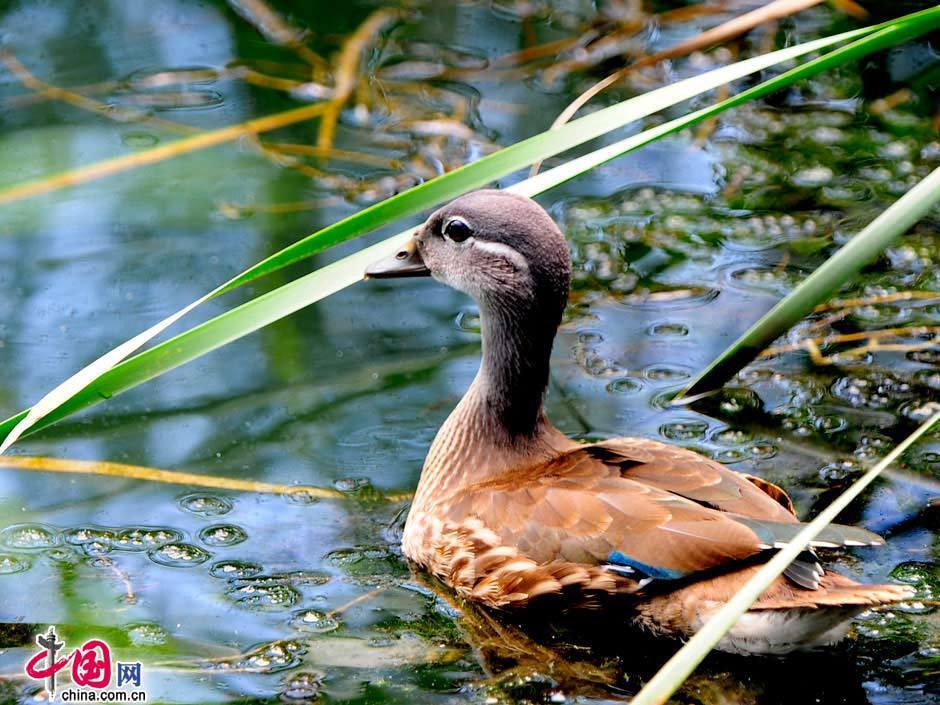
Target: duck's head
{"type": "Point", "coordinates": [502, 249]}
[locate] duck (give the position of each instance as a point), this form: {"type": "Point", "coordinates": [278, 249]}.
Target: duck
{"type": "Point", "coordinates": [513, 514]}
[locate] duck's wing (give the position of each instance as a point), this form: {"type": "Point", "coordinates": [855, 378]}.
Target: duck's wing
{"type": "Point", "coordinates": [634, 509]}
{"type": "Point", "coordinates": [695, 477]}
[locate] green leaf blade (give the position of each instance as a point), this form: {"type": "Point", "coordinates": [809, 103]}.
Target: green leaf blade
{"type": "Point", "coordinates": [819, 286]}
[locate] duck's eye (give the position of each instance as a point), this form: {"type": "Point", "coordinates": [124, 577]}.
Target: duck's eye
{"type": "Point", "coordinates": [457, 229]}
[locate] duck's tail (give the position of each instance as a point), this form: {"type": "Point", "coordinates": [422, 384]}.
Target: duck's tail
{"type": "Point", "coordinates": [784, 619]}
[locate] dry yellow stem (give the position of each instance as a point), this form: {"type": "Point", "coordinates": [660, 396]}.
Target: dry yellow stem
{"type": "Point", "coordinates": [872, 340]}
{"type": "Point", "coordinates": [347, 70]}
{"type": "Point", "coordinates": [109, 167]}
{"type": "Point", "coordinates": [879, 299]}
{"type": "Point", "coordinates": [330, 153]}
{"type": "Point", "coordinates": [172, 477]}
{"type": "Point", "coordinates": [256, 78]}
{"type": "Point", "coordinates": [275, 28]}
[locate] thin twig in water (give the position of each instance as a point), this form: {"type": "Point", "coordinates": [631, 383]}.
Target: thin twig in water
{"type": "Point", "coordinates": [129, 597]}
{"type": "Point", "coordinates": [356, 600]}
{"type": "Point", "coordinates": [276, 29]}
{"type": "Point", "coordinates": [347, 69]}
{"type": "Point", "coordinates": [77, 100]}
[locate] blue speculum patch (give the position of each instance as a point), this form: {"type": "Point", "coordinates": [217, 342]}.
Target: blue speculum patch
{"type": "Point", "coordinates": [619, 558]}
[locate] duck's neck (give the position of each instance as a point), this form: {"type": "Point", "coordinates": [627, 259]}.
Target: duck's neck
{"type": "Point", "coordinates": [499, 424]}
{"type": "Point", "coordinates": [508, 391]}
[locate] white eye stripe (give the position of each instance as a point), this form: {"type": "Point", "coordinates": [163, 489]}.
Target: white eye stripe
{"type": "Point", "coordinates": [503, 250]}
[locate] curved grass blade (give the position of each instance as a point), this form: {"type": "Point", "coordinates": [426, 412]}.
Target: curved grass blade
{"type": "Point", "coordinates": [450, 185]}
{"type": "Point", "coordinates": [315, 286]}
{"type": "Point", "coordinates": [668, 679]}
{"type": "Point", "coordinates": [818, 286]}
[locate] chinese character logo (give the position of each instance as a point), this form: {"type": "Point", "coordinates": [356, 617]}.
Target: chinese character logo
{"type": "Point", "coordinates": [129, 673]}
{"type": "Point", "coordinates": [46, 672]}
{"type": "Point", "coordinates": [91, 665]}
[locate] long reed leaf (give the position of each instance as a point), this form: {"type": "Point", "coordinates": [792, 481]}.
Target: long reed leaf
{"type": "Point", "coordinates": [429, 194]}
{"type": "Point", "coordinates": [668, 679]}
{"type": "Point", "coordinates": [102, 379]}
{"type": "Point", "coordinates": [819, 286]}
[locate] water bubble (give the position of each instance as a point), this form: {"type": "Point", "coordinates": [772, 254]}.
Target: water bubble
{"type": "Point", "coordinates": [669, 330]}
{"type": "Point", "coordinates": [925, 577]}
{"type": "Point", "coordinates": [264, 594]}
{"type": "Point", "coordinates": [222, 535]}
{"type": "Point", "coordinates": [763, 451]}
{"type": "Point", "coordinates": [13, 564]}
{"type": "Point", "coordinates": [625, 385]}
{"type": "Point", "coordinates": [738, 401]}
{"type": "Point", "coordinates": [313, 621]}
{"type": "Point", "coordinates": [144, 537]}
{"type": "Point", "coordinates": [732, 436]}
{"type": "Point", "coordinates": [919, 412]}
{"type": "Point", "coordinates": [831, 423]}
{"type": "Point", "coordinates": [730, 455]}
{"type": "Point", "coordinates": [62, 556]}
{"type": "Point", "coordinates": [875, 391]}
{"type": "Point", "coordinates": [97, 548]}
{"type": "Point", "coordinates": [207, 505]}
{"type": "Point", "coordinates": [88, 534]}
{"type": "Point", "coordinates": [779, 281]}
{"type": "Point", "coordinates": [359, 487]}
{"type": "Point", "coordinates": [928, 378]}
{"type": "Point", "coordinates": [929, 457]}
{"type": "Point", "coordinates": [301, 496]}
{"type": "Point", "coordinates": [274, 657]}
{"type": "Point", "coordinates": [367, 561]}
{"type": "Point", "coordinates": [666, 373]}
{"type": "Point", "coordinates": [839, 472]}
{"type": "Point", "coordinates": [302, 577]}
{"type": "Point", "coordinates": [929, 357]}
{"type": "Point", "coordinates": [139, 140]}
{"type": "Point", "coordinates": [234, 569]}
{"type": "Point", "coordinates": [302, 687]}
{"type": "Point", "coordinates": [179, 555]}
{"type": "Point", "coordinates": [351, 484]}
{"type": "Point", "coordinates": [147, 634]}
{"type": "Point", "coordinates": [684, 430]}
{"type": "Point", "coordinates": [684, 297]}
{"type": "Point", "coordinates": [29, 536]}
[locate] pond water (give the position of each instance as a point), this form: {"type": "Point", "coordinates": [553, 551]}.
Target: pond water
{"type": "Point", "coordinates": [256, 596]}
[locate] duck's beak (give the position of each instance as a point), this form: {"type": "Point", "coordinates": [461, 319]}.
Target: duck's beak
{"type": "Point", "coordinates": [406, 262]}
